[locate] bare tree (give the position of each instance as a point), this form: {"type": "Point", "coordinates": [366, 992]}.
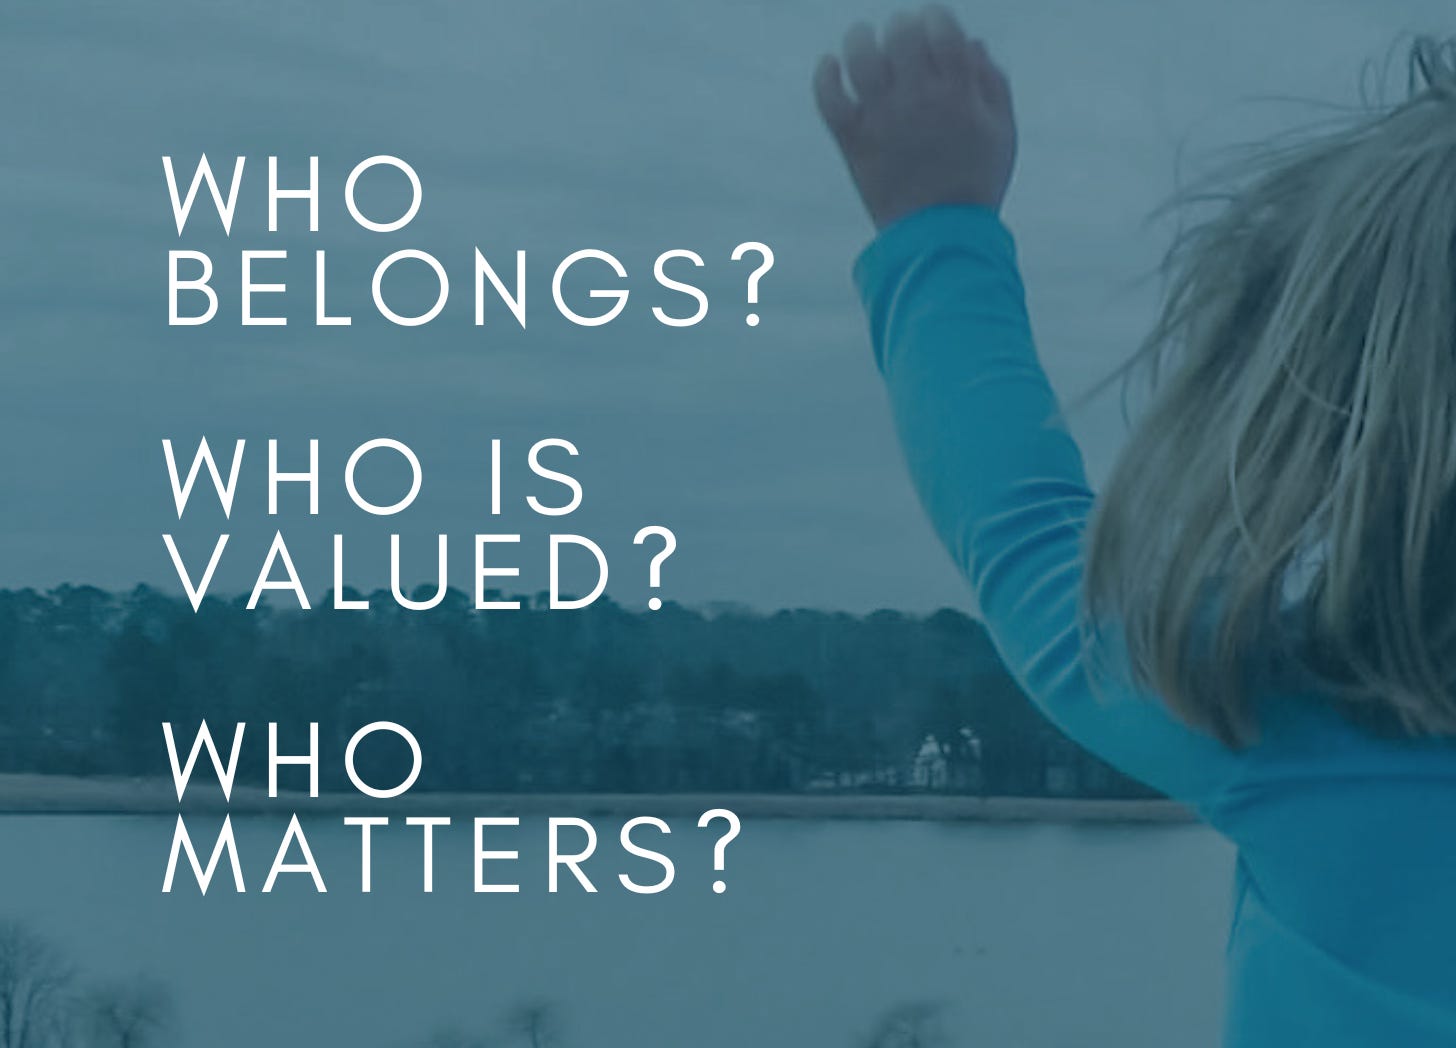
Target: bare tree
{"type": "Point", "coordinates": [133, 1013]}
{"type": "Point", "coordinates": [912, 1025]}
{"type": "Point", "coordinates": [535, 1023]}
{"type": "Point", "coordinates": [35, 986]}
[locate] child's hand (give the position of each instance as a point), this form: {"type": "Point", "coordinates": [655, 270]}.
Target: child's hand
{"type": "Point", "coordinates": [932, 120]}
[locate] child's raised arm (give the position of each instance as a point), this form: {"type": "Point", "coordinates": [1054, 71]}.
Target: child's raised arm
{"type": "Point", "coordinates": [929, 139]}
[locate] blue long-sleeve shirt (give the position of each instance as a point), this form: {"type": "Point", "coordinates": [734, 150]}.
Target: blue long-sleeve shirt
{"type": "Point", "coordinates": [1344, 926]}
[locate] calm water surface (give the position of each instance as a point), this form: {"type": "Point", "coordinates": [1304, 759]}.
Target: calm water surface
{"type": "Point", "coordinates": [1034, 936]}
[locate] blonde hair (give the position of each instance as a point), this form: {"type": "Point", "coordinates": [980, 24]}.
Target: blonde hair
{"type": "Point", "coordinates": [1291, 490]}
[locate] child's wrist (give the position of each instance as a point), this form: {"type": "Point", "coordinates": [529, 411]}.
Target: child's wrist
{"type": "Point", "coordinates": [886, 217]}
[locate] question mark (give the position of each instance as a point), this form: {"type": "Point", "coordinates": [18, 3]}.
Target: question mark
{"type": "Point", "coordinates": [722, 845]}
{"type": "Point", "coordinates": [654, 572]}
{"type": "Point", "coordinates": [764, 267]}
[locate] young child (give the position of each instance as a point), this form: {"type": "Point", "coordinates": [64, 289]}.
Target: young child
{"type": "Point", "coordinates": [1274, 557]}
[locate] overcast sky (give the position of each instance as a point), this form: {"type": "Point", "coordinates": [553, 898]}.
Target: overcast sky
{"type": "Point", "coordinates": [631, 128]}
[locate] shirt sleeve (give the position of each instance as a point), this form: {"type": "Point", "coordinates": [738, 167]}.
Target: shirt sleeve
{"type": "Point", "coordinates": [1003, 483]}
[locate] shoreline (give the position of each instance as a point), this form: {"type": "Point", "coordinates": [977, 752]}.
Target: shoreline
{"type": "Point", "coordinates": [35, 794]}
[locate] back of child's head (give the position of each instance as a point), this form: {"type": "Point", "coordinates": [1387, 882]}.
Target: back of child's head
{"type": "Point", "coordinates": [1290, 489]}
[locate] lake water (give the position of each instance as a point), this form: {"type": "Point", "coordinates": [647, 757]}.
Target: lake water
{"type": "Point", "coordinates": [1032, 936]}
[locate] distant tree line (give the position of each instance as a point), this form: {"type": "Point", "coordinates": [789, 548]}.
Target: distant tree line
{"type": "Point", "coordinates": [601, 699]}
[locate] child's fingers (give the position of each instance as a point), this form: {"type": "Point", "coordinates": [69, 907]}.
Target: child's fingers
{"type": "Point", "coordinates": [993, 82]}
{"type": "Point", "coordinates": [906, 45]}
{"type": "Point", "coordinates": [949, 48]}
{"type": "Point", "coordinates": [869, 72]}
{"type": "Point", "coordinates": [835, 105]}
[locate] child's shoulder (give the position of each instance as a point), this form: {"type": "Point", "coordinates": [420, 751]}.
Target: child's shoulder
{"type": "Point", "coordinates": [1310, 732]}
